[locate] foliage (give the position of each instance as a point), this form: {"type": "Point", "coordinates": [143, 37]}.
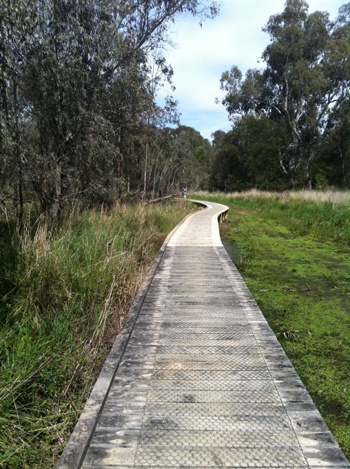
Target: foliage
{"type": "Point", "coordinates": [294, 257]}
{"type": "Point", "coordinates": [189, 156]}
{"type": "Point", "coordinates": [235, 162]}
{"type": "Point", "coordinates": [64, 295]}
{"type": "Point", "coordinates": [78, 82]}
{"type": "Point", "coordinates": [303, 90]}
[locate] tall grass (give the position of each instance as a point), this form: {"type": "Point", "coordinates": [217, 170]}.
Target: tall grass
{"type": "Point", "coordinates": [64, 295]}
{"type": "Point", "coordinates": [324, 215]}
{"type": "Point", "coordinates": [332, 196]}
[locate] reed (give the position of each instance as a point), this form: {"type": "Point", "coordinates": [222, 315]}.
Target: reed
{"type": "Point", "coordinates": [333, 196]}
{"type": "Point", "coordinates": [64, 295]}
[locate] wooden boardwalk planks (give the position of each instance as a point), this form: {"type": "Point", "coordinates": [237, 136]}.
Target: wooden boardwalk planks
{"type": "Point", "coordinates": [197, 379]}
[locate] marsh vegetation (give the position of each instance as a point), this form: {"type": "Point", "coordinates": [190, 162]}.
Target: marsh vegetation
{"type": "Point", "coordinates": [293, 252]}
{"type": "Point", "coordinates": [65, 292]}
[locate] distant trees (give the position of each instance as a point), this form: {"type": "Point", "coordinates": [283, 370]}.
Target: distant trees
{"type": "Point", "coordinates": [167, 158]}
{"type": "Point", "coordinates": [298, 104]}
{"type": "Point", "coordinates": [77, 97]}
{"type": "Point", "coordinates": [189, 156]}
{"type": "Point", "coordinates": [246, 156]}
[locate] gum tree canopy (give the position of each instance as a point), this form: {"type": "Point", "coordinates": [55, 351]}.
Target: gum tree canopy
{"type": "Point", "coordinates": [75, 83]}
{"type": "Point", "coordinates": [304, 86]}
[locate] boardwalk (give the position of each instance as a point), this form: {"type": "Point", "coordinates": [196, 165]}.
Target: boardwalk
{"type": "Point", "coordinates": [197, 379]}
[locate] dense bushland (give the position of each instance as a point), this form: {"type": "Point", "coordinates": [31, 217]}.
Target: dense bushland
{"type": "Point", "coordinates": [64, 295]}
{"type": "Point", "coordinates": [293, 252]}
{"type": "Point", "coordinates": [79, 119]}
{"type": "Point", "coordinates": [291, 116]}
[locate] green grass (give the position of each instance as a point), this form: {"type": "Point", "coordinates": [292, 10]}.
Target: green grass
{"type": "Point", "coordinates": [64, 295]}
{"type": "Point", "coordinates": [294, 257]}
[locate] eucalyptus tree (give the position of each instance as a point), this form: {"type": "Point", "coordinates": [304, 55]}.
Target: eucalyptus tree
{"type": "Point", "coordinates": [226, 168]}
{"type": "Point", "coordinates": [235, 162]}
{"type": "Point", "coordinates": [333, 168]}
{"type": "Point", "coordinates": [83, 78]}
{"type": "Point", "coordinates": [189, 156]}
{"type": "Point", "coordinates": [303, 86]}
{"type": "Point", "coordinates": [17, 23]}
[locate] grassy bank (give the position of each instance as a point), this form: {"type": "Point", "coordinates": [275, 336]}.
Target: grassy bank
{"type": "Point", "coordinates": [64, 295]}
{"type": "Point", "coordinates": [293, 251]}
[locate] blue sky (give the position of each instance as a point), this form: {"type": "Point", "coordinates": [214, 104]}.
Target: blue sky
{"type": "Point", "coordinates": [202, 54]}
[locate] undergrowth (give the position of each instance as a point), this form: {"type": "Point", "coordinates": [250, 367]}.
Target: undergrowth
{"type": "Point", "coordinates": [64, 295]}
{"type": "Point", "coordinates": [293, 254]}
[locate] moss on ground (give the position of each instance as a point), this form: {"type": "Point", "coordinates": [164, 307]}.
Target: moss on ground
{"type": "Point", "coordinates": [300, 277]}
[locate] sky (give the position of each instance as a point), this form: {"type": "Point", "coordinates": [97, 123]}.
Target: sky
{"type": "Point", "coordinates": [201, 54]}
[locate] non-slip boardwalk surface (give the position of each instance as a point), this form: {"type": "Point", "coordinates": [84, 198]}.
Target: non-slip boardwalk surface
{"type": "Point", "coordinates": [201, 380]}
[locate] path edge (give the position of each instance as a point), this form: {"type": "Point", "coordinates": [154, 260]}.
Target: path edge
{"type": "Point", "coordinates": [75, 450]}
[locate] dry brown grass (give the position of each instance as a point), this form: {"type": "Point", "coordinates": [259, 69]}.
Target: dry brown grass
{"type": "Point", "coordinates": [67, 294]}
{"type": "Point", "coordinates": [333, 196]}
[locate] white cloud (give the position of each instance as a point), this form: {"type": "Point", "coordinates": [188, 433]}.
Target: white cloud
{"type": "Point", "coordinates": [201, 55]}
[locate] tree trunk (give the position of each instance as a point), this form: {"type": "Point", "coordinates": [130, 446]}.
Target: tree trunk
{"type": "Point", "coordinates": [56, 207]}
{"type": "Point", "coordinates": [145, 173]}
{"type": "Point", "coordinates": [18, 156]}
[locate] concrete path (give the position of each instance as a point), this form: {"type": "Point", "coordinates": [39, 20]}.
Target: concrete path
{"type": "Point", "coordinates": [197, 379]}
